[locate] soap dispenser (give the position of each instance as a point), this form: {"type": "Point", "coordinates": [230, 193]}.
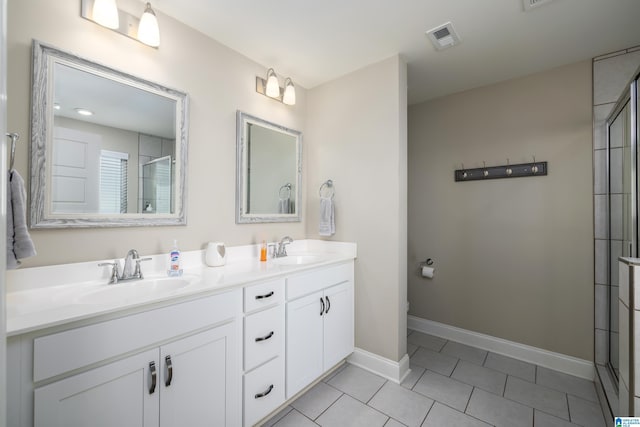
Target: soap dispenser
{"type": "Point", "coordinates": [174, 261]}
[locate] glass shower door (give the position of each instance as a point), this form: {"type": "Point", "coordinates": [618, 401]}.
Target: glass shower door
{"type": "Point", "coordinates": [622, 212]}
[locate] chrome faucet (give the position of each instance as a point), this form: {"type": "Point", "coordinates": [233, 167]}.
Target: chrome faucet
{"type": "Point", "coordinates": [129, 272]}
{"type": "Point", "coordinates": [282, 247]}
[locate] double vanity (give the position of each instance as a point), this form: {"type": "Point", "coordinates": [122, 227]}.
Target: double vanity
{"type": "Point", "coordinates": [222, 346]}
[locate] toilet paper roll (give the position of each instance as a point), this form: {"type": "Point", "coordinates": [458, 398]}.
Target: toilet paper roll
{"type": "Point", "coordinates": [428, 272]}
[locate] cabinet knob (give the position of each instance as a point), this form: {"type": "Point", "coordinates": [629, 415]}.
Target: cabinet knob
{"type": "Point", "coordinates": [328, 305]}
{"type": "Point", "coordinates": [321, 306]}
{"type": "Point", "coordinates": [167, 360]}
{"type": "Point", "coordinates": [266, 337]}
{"type": "Point", "coordinates": [152, 369]}
{"type": "Point", "coordinates": [264, 393]}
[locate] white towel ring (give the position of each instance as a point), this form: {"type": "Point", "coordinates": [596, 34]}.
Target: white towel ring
{"type": "Point", "coordinates": [328, 185]}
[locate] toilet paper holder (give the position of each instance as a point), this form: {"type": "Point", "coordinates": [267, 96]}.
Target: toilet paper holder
{"type": "Point", "coordinates": [428, 262]}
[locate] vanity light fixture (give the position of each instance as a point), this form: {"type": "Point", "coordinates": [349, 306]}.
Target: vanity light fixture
{"type": "Point", "coordinates": [106, 13]}
{"type": "Point", "coordinates": [271, 88]}
{"type": "Point", "coordinates": [289, 96]}
{"type": "Point", "coordinates": [148, 30]}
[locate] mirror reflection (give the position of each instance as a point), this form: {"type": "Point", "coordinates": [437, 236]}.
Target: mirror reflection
{"type": "Point", "coordinates": [113, 146]}
{"type": "Point", "coordinates": [269, 171]}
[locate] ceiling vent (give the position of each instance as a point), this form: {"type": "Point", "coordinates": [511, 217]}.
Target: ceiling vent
{"type": "Point", "coordinates": [532, 4]}
{"type": "Point", "coordinates": [443, 36]}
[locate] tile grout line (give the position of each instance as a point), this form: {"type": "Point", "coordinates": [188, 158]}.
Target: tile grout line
{"type": "Point", "coordinates": [433, 403]}
{"type": "Point", "coordinates": [374, 394]}
{"type": "Point", "coordinates": [327, 408]}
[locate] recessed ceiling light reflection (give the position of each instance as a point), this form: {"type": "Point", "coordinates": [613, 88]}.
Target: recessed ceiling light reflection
{"type": "Point", "coordinates": [84, 112]}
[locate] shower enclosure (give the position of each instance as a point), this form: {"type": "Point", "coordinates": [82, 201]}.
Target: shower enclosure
{"type": "Point", "coordinates": [157, 186]}
{"type": "Point", "coordinates": [623, 184]}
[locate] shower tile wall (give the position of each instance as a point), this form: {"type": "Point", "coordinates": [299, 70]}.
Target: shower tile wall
{"type": "Point", "coordinates": [611, 73]}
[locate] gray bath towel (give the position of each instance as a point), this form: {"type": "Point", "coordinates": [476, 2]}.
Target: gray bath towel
{"type": "Point", "coordinates": [19, 243]}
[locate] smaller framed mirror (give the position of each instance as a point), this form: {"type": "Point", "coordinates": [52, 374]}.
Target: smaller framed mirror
{"type": "Point", "coordinates": [269, 171]}
{"type": "Point", "coordinates": [108, 149]}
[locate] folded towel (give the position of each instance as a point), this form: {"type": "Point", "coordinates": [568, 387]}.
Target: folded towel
{"type": "Point", "coordinates": [284, 206]}
{"type": "Point", "coordinates": [327, 217]}
{"type": "Point", "coordinates": [19, 243]}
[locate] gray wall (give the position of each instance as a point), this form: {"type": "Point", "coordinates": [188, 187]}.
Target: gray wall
{"type": "Point", "coordinates": [513, 257]}
{"type": "Point", "coordinates": [356, 136]}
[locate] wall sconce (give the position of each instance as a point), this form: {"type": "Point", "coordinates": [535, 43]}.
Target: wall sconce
{"type": "Point", "coordinates": [271, 88]}
{"type": "Point", "coordinates": [107, 14]}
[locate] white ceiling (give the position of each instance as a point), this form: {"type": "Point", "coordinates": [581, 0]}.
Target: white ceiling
{"type": "Point", "coordinates": [316, 41]}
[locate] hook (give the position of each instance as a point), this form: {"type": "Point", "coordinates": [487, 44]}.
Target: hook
{"type": "Point", "coordinates": [14, 137]}
{"type": "Point", "coordinates": [534, 167]}
{"type": "Point", "coordinates": [508, 170]}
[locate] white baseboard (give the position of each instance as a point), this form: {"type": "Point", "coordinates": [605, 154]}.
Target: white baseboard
{"type": "Point", "coordinates": [387, 368]}
{"type": "Point", "coordinates": [548, 359]}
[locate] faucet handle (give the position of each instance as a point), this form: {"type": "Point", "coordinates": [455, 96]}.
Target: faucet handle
{"type": "Point", "coordinates": [138, 271]}
{"type": "Point", "coordinates": [115, 272]}
{"type": "Point", "coordinates": [274, 249]}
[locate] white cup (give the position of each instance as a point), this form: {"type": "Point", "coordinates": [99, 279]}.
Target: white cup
{"type": "Point", "coordinates": [216, 254]}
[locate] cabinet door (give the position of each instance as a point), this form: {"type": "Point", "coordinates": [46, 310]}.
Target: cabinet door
{"type": "Point", "coordinates": [201, 378]}
{"type": "Point", "coordinates": [304, 342]}
{"type": "Point", "coordinates": [338, 324]}
{"type": "Point", "coordinates": [119, 394]}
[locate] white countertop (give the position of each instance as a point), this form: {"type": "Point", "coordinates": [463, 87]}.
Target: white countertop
{"type": "Point", "coordinates": [43, 297]}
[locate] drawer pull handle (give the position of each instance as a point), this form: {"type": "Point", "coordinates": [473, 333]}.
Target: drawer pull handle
{"type": "Point", "coordinates": [266, 337]}
{"type": "Point", "coordinates": [321, 306]}
{"type": "Point", "coordinates": [169, 371]}
{"type": "Point", "coordinates": [270, 294]}
{"type": "Point", "coordinates": [154, 375]}
{"type": "Point", "coordinates": [328, 305]}
{"type": "Point", "coordinates": [264, 393]}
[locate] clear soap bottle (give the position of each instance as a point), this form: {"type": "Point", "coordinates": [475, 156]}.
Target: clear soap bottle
{"type": "Point", "coordinates": [174, 261]}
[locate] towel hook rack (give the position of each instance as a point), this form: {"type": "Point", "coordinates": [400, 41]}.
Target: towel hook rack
{"type": "Point", "coordinates": [329, 186]}
{"type": "Point", "coordinates": [14, 137]}
{"type": "Point", "coordinates": [286, 187]}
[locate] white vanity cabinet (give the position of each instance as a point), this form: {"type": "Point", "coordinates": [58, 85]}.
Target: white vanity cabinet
{"type": "Point", "coordinates": [264, 352]}
{"type": "Point", "coordinates": [320, 323]}
{"type": "Point", "coordinates": [172, 366]}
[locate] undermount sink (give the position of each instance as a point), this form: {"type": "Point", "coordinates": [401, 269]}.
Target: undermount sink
{"type": "Point", "coordinates": [297, 260]}
{"type": "Point", "coordinates": [140, 289]}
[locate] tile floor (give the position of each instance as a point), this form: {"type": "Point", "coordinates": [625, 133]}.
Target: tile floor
{"type": "Point", "coordinates": [450, 384]}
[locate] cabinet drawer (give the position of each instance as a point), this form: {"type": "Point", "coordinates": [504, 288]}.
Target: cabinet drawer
{"type": "Point", "coordinates": [263, 295]}
{"type": "Point", "coordinates": [263, 391]}
{"type": "Point", "coordinates": [73, 349]}
{"type": "Point", "coordinates": [263, 336]}
{"type": "Point", "coordinates": [306, 283]}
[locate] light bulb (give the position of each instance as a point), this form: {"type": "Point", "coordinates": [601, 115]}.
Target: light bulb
{"type": "Point", "coordinates": [105, 13]}
{"type": "Point", "coordinates": [273, 87]}
{"type": "Point", "coordinates": [148, 30]}
{"type": "Point", "coordinates": [289, 96]}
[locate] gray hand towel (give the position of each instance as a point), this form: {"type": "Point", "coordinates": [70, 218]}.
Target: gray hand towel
{"type": "Point", "coordinates": [19, 243]}
{"type": "Point", "coordinates": [284, 206]}
{"type": "Point", "coordinates": [327, 217]}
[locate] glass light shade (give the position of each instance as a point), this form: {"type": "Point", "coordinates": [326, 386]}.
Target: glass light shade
{"type": "Point", "coordinates": [273, 87]}
{"type": "Point", "coordinates": [105, 13]}
{"type": "Point", "coordinates": [148, 30]}
{"type": "Point", "coordinates": [289, 96]}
